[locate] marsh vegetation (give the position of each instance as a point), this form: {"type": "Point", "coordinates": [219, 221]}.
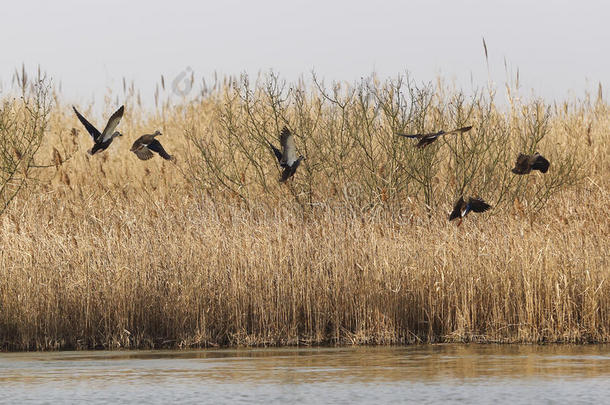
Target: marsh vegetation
{"type": "Point", "coordinates": [108, 251]}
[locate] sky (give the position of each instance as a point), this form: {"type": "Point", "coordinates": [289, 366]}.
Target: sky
{"type": "Point", "coordinates": [561, 48]}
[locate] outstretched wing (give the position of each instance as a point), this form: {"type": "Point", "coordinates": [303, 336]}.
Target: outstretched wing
{"type": "Point", "coordinates": [156, 147]}
{"type": "Point", "coordinates": [95, 134]}
{"type": "Point", "coordinates": [422, 136]}
{"type": "Point", "coordinates": [457, 209]}
{"type": "Point", "coordinates": [478, 205]}
{"type": "Point", "coordinates": [289, 149]}
{"type": "Point", "coordinates": [434, 135]}
{"type": "Point", "coordinates": [417, 136]}
{"type": "Point", "coordinates": [112, 124]}
{"type": "Point", "coordinates": [541, 164]}
{"type": "Point", "coordinates": [276, 152]}
{"type": "Point", "coordinates": [142, 152]}
{"type": "Point", "coordinates": [521, 164]}
{"type": "Point", "coordinates": [458, 130]}
{"type": "Point", "coordinates": [424, 139]}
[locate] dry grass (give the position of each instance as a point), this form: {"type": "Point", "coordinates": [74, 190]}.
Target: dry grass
{"type": "Point", "coordinates": [108, 251]}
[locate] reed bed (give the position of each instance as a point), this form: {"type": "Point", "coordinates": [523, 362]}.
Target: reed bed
{"type": "Point", "coordinates": [107, 251]}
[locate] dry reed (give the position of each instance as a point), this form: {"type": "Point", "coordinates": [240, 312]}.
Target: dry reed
{"type": "Point", "coordinates": [111, 252]}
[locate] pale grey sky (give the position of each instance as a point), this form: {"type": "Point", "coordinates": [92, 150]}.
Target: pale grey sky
{"type": "Point", "coordinates": [560, 47]}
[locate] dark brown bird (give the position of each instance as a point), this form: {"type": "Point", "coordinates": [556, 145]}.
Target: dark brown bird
{"type": "Point", "coordinates": [462, 208]}
{"type": "Point", "coordinates": [427, 139]}
{"type": "Point", "coordinates": [145, 145]}
{"type": "Point", "coordinates": [526, 163]}
{"type": "Point", "coordinates": [102, 140]}
{"type": "Point", "coordinates": [287, 157]}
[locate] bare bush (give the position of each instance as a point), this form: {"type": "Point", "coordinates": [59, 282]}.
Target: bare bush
{"type": "Point", "coordinates": [22, 126]}
{"type": "Point", "coordinates": [348, 134]}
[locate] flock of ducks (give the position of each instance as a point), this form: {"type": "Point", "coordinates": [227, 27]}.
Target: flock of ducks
{"type": "Point", "coordinates": [524, 165]}
{"type": "Point", "coordinates": [287, 158]}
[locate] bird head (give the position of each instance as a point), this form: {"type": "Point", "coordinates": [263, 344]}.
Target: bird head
{"type": "Point", "coordinates": [116, 133]}
{"type": "Point", "coordinates": [157, 133]}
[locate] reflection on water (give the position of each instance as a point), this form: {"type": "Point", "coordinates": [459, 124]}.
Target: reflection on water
{"type": "Point", "coordinates": [468, 373]}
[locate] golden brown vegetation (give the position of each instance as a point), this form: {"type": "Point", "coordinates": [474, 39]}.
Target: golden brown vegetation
{"type": "Point", "coordinates": [108, 251]}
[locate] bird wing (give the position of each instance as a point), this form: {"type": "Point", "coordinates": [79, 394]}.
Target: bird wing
{"type": "Point", "coordinates": [411, 135]}
{"type": "Point", "coordinates": [458, 130]}
{"type": "Point", "coordinates": [95, 134]}
{"type": "Point", "coordinates": [478, 205]}
{"type": "Point", "coordinates": [431, 135]}
{"type": "Point", "coordinates": [421, 136]}
{"type": "Point", "coordinates": [142, 152]}
{"type": "Point", "coordinates": [541, 164]}
{"type": "Point", "coordinates": [112, 124]}
{"type": "Point", "coordinates": [276, 152]}
{"type": "Point", "coordinates": [521, 164]}
{"type": "Point", "coordinates": [143, 140]}
{"type": "Point", "coordinates": [289, 149]}
{"type": "Point", "coordinates": [457, 209]}
{"type": "Point", "coordinates": [156, 146]}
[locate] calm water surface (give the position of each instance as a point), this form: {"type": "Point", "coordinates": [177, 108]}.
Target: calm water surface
{"type": "Point", "coordinates": [428, 374]}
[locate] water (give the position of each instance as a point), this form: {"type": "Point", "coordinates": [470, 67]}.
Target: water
{"type": "Point", "coordinates": [428, 374]}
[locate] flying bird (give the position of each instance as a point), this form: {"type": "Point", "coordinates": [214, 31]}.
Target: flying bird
{"type": "Point", "coordinates": [287, 157]}
{"type": "Point", "coordinates": [104, 139]}
{"type": "Point", "coordinates": [427, 139]}
{"type": "Point", "coordinates": [145, 145]}
{"type": "Point", "coordinates": [526, 163]}
{"type": "Point", "coordinates": [462, 208]}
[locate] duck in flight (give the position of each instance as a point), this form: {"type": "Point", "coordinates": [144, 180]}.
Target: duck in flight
{"type": "Point", "coordinates": [287, 157]}
{"type": "Point", "coordinates": [102, 140]}
{"type": "Point", "coordinates": [526, 163]}
{"type": "Point", "coordinates": [427, 139]}
{"type": "Point", "coordinates": [462, 208]}
{"type": "Point", "coordinates": [145, 145]}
